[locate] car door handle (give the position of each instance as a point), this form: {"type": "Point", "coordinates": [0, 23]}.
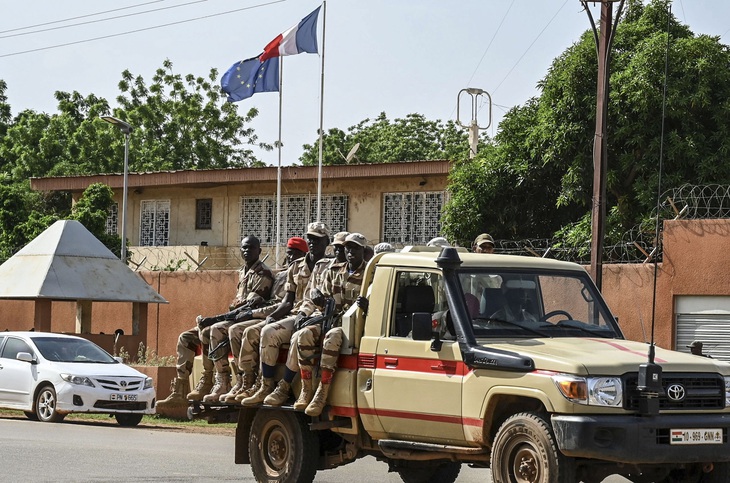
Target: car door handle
{"type": "Point", "coordinates": [391, 361]}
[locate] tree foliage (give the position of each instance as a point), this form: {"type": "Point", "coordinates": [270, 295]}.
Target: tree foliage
{"type": "Point", "coordinates": [178, 123]}
{"type": "Point", "coordinates": [538, 179]}
{"type": "Point", "coordinates": [413, 138]}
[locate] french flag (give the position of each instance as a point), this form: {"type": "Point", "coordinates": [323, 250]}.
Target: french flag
{"type": "Point", "coordinates": [300, 38]}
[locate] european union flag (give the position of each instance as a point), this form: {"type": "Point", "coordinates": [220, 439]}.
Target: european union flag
{"type": "Point", "coordinates": [249, 76]}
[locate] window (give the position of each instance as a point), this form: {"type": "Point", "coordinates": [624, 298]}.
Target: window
{"type": "Point", "coordinates": [258, 215]}
{"type": "Point", "coordinates": [416, 292]}
{"type": "Point", "coordinates": [13, 346]}
{"type": "Point", "coordinates": [112, 221]}
{"type": "Point", "coordinates": [411, 218]}
{"type": "Point", "coordinates": [204, 214]}
{"type": "Point", "coordinates": [154, 230]}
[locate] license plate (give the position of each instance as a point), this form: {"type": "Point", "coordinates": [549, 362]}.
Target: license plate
{"type": "Point", "coordinates": [696, 436]}
{"type": "Point", "coordinates": [123, 397]}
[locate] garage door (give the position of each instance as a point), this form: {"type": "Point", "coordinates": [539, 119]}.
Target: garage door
{"type": "Point", "coordinates": [704, 318]}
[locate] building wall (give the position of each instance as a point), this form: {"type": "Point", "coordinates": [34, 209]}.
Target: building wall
{"type": "Point", "coordinates": [695, 261]}
{"type": "Point", "coordinates": [365, 212]}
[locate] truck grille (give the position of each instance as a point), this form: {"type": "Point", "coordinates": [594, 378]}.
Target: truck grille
{"type": "Point", "coordinates": [701, 391]}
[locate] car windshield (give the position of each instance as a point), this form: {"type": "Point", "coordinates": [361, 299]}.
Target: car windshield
{"type": "Point", "coordinates": [63, 349]}
{"type": "Point", "coordinates": [510, 303]}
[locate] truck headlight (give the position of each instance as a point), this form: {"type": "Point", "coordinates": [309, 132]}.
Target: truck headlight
{"type": "Point", "coordinates": [727, 391]}
{"type": "Point", "coordinates": [605, 391]}
{"type": "Point", "coordinates": [80, 380]}
{"type": "Point", "coordinates": [593, 391]}
{"type": "Point", "coordinates": [148, 383]}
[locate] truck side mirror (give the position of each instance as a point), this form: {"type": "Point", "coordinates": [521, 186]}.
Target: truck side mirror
{"type": "Point", "coordinates": [421, 326]}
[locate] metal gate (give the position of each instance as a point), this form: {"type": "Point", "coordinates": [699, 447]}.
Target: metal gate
{"type": "Point", "coordinates": [704, 318]}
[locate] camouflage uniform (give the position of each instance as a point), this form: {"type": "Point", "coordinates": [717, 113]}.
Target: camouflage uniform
{"type": "Point", "coordinates": [187, 345]}
{"type": "Point", "coordinates": [301, 281]}
{"type": "Point", "coordinates": [254, 288]}
{"type": "Point", "coordinates": [344, 288]}
{"type": "Point", "coordinates": [237, 330]}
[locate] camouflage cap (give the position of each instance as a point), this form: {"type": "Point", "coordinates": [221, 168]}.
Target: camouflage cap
{"type": "Point", "coordinates": [439, 241]}
{"type": "Point", "coordinates": [484, 238]}
{"type": "Point", "coordinates": [384, 247]}
{"type": "Point", "coordinates": [357, 238]}
{"type": "Point", "coordinates": [695, 343]}
{"type": "Point", "coordinates": [339, 238]}
{"type": "Point", "coordinates": [318, 228]}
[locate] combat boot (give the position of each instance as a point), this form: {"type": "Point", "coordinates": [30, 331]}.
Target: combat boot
{"type": "Point", "coordinates": [251, 390]}
{"type": "Point", "coordinates": [176, 400]}
{"type": "Point", "coordinates": [244, 380]}
{"type": "Point", "coordinates": [266, 388]}
{"type": "Point", "coordinates": [319, 402]}
{"type": "Point", "coordinates": [222, 386]}
{"type": "Point", "coordinates": [204, 386]}
{"type": "Point", "coordinates": [280, 394]}
{"type": "Point", "coordinates": [306, 394]}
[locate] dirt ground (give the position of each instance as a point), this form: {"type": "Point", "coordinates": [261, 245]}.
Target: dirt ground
{"type": "Point", "coordinates": [167, 425]}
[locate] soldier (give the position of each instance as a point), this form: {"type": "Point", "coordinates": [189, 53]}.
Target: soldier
{"type": "Point", "coordinates": [296, 248]}
{"type": "Point", "coordinates": [342, 283]}
{"type": "Point", "coordinates": [254, 286]}
{"type": "Point", "coordinates": [338, 246]}
{"type": "Point", "coordinates": [302, 277]}
{"type": "Point", "coordinates": [258, 282]}
{"type": "Point", "coordinates": [484, 243]}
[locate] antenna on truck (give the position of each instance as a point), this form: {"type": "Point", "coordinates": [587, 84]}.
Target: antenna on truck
{"type": "Point", "coordinates": [650, 373]}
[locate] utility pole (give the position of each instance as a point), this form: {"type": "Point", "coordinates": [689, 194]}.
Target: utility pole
{"type": "Point", "coordinates": [600, 150]}
{"type": "Point", "coordinates": [473, 126]}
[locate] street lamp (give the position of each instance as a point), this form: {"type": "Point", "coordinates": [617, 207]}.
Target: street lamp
{"type": "Point", "coordinates": [126, 129]}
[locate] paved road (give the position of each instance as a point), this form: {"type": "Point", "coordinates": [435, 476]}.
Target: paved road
{"type": "Point", "coordinates": [91, 452]}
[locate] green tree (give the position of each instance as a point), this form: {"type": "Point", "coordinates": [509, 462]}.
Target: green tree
{"type": "Point", "coordinates": [542, 161]}
{"type": "Point", "coordinates": [413, 138]}
{"type": "Point", "coordinates": [183, 123]}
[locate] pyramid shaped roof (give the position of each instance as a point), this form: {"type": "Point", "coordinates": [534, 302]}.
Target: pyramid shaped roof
{"type": "Point", "coordinates": [67, 262]}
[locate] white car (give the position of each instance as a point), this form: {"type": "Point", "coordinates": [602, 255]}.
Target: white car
{"type": "Point", "coordinates": [50, 375]}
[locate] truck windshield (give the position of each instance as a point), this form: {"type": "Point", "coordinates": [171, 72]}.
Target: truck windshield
{"type": "Point", "coordinates": [503, 303]}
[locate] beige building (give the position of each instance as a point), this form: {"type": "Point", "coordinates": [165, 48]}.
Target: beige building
{"type": "Point", "coordinates": [191, 219]}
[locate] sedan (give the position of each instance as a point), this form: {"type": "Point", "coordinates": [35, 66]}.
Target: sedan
{"type": "Point", "coordinates": [48, 376]}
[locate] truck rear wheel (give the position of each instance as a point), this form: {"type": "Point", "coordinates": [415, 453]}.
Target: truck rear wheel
{"type": "Point", "coordinates": [282, 448]}
{"type": "Point", "coordinates": [525, 451]}
{"type": "Point", "coordinates": [443, 473]}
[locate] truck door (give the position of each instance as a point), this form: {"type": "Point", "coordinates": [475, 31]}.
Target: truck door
{"type": "Point", "coordinates": [417, 392]}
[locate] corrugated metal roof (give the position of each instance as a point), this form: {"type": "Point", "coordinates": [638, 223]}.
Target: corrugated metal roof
{"type": "Point", "coordinates": [67, 262]}
{"type": "Point", "coordinates": [243, 175]}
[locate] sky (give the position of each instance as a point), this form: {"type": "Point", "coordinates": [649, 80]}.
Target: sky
{"type": "Point", "coordinates": [392, 56]}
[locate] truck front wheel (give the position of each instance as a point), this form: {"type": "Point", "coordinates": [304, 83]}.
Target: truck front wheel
{"type": "Point", "coordinates": [282, 448]}
{"type": "Point", "coordinates": [524, 451]}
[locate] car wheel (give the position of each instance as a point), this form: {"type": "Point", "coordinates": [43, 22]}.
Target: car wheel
{"type": "Point", "coordinates": [128, 419]}
{"type": "Point", "coordinates": [31, 415]}
{"type": "Point", "coordinates": [525, 450]}
{"type": "Point", "coordinates": [282, 448]}
{"type": "Point", "coordinates": [45, 405]}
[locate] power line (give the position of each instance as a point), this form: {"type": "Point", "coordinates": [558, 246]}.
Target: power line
{"type": "Point", "coordinates": [528, 48]}
{"type": "Point", "coordinates": [490, 42]}
{"type": "Point", "coordinates": [141, 30]}
{"type": "Point", "coordinates": [102, 19]}
{"type": "Point", "coordinates": [78, 17]}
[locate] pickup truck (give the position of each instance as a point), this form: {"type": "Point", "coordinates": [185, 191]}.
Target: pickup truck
{"type": "Point", "coordinates": [497, 361]}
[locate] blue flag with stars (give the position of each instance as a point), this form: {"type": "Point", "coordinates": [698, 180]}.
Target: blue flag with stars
{"type": "Point", "coordinates": [250, 76]}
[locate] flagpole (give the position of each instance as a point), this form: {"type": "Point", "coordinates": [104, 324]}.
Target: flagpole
{"type": "Point", "coordinates": [321, 117]}
{"type": "Point", "coordinates": [278, 169]}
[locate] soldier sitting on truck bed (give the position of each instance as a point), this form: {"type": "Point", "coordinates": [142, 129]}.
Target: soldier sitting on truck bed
{"type": "Point", "coordinates": [342, 283]}
{"type": "Point", "coordinates": [302, 277]}
{"type": "Point", "coordinates": [254, 287]}
{"type": "Point", "coordinates": [247, 374]}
